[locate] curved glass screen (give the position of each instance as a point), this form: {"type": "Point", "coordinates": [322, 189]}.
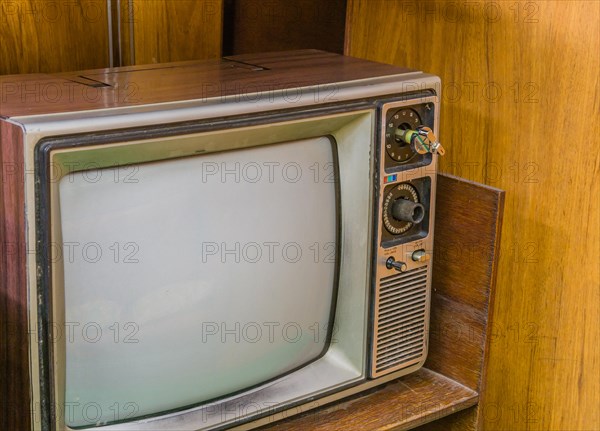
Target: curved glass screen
{"type": "Point", "coordinates": [192, 279]}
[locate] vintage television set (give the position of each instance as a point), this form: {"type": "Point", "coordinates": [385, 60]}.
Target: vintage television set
{"type": "Point", "coordinates": [218, 244]}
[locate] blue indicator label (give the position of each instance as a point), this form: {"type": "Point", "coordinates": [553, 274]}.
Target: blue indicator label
{"type": "Point", "coordinates": [390, 178]}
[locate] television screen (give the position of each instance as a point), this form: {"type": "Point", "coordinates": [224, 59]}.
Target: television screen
{"type": "Point", "coordinates": [191, 279]}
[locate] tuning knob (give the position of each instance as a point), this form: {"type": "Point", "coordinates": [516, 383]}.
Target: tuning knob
{"type": "Point", "coordinates": [422, 140]}
{"type": "Point", "coordinates": [393, 263]}
{"type": "Point", "coordinates": [408, 211]}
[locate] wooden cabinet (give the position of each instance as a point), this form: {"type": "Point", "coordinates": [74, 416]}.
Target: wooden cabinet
{"type": "Point", "coordinates": [519, 90]}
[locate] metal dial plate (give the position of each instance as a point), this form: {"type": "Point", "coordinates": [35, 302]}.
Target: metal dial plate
{"type": "Point", "coordinates": [405, 118]}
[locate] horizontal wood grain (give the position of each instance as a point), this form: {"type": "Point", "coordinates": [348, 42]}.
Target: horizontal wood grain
{"type": "Point", "coordinates": [464, 420]}
{"type": "Point", "coordinates": [413, 400]}
{"type": "Point", "coordinates": [14, 350]}
{"type": "Point", "coordinates": [137, 85]}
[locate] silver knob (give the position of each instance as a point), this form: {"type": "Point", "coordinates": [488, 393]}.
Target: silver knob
{"type": "Point", "coordinates": [393, 263]}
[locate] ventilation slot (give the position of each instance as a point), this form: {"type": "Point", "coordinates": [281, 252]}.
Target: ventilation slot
{"type": "Point", "coordinates": [400, 334]}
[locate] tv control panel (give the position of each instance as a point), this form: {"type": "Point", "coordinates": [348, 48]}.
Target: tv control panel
{"type": "Point", "coordinates": [408, 151]}
{"type": "Point", "coordinates": [408, 167]}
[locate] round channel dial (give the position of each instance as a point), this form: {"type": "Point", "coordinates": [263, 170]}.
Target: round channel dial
{"type": "Point", "coordinates": [402, 119]}
{"type": "Point", "coordinates": [402, 209]}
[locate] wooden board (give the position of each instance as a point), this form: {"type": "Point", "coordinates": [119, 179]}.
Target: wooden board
{"type": "Point", "coordinates": [408, 402]}
{"type": "Point", "coordinates": [464, 420]}
{"type": "Point", "coordinates": [167, 30]}
{"type": "Point", "coordinates": [14, 350]}
{"type": "Point", "coordinates": [519, 112]}
{"type": "Point", "coordinates": [467, 237]}
{"type": "Point", "coordinates": [40, 36]}
{"type": "Point", "coordinates": [137, 85]}
{"type": "Point", "coordinates": [277, 25]}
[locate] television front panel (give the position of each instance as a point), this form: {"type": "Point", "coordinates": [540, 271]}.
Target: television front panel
{"type": "Point", "coordinates": [199, 281]}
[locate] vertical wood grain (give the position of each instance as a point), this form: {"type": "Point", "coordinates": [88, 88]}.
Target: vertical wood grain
{"type": "Point", "coordinates": [14, 352]}
{"type": "Point", "coordinates": [277, 25]}
{"type": "Point", "coordinates": [467, 244]}
{"type": "Point", "coordinates": [519, 112]}
{"type": "Point", "coordinates": [52, 36]}
{"type": "Point", "coordinates": [172, 30]}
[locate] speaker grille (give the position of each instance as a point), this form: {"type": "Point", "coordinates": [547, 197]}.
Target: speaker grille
{"type": "Point", "coordinates": [400, 321]}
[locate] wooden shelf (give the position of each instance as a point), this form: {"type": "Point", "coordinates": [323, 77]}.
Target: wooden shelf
{"type": "Point", "coordinates": [403, 404]}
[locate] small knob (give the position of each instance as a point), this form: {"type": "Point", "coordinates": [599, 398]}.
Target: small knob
{"type": "Point", "coordinates": [420, 256]}
{"type": "Point", "coordinates": [393, 263]}
{"type": "Point", "coordinates": [409, 211]}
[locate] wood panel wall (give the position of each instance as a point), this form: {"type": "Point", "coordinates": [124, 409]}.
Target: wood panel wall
{"type": "Point", "coordinates": [41, 36]}
{"type": "Point", "coordinates": [520, 112]}
{"type": "Point", "coordinates": [171, 30]}
{"type": "Point", "coordinates": [52, 36]}
{"type": "Point", "coordinates": [276, 25]}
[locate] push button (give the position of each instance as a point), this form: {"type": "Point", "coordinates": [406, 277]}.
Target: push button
{"type": "Point", "coordinates": [420, 256]}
